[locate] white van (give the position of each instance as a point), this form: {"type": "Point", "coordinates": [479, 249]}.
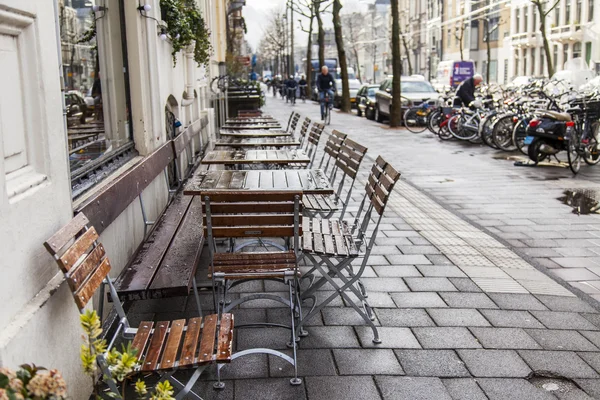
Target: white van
{"type": "Point", "coordinates": [452, 73]}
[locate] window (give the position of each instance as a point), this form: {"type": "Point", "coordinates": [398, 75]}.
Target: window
{"type": "Point", "coordinates": [578, 10]}
{"type": "Point", "coordinates": [535, 24]}
{"type": "Point", "coordinates": [567, 13]}
{"type": "Point", "coordinates": [525, 62]}
{"type": "Point", "coordinates": [577, 50]}
{"type": "Point", "coordinates": [505, 70]}
{"type": "Point", "coordinates": [493, 71]}
{"type": "Point", "coordinates": [516, 63]}
{"type": "Point", "coordinates": [588, 52]}
{"type": "Point", "coordinates": [493, 22]}
{"type": "Point", "coordinates": [98, 125]}
{"type": "Point", "coordinates": [533, 50]}
{"type": "Point", "coordinates": [525, 18]}
{"type": "Point", "coordinates": [474, 35]}
{"type": "Point", "coordinates": [590, 16]}
{"type": "Point", "coordinates": [555, 55]}
{"type": "Point", "coordinates": [517, 20]}
{"type": "Point", "coordinates": [565, 52]}
{"type": "Point", "coordinates": [416, 87]}
{"type": "Point", "coordinates": [557, 15]}
{"type": "Point", "coordinates": [542, 61]}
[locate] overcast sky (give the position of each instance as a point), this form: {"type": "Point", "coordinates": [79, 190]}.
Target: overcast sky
{"type": "Point", "coordinates": [257, 13]}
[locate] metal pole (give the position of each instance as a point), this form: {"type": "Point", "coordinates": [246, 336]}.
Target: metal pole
{"type": "Point", "coordinates": [292, 37]}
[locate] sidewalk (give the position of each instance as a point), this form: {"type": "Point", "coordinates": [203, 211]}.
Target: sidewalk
{"type": "Point", "coordinates": [461, 315]}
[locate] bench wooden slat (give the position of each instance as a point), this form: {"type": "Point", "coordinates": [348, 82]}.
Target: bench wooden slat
{"type": "Point", "coordinates": [190, 342]}
{"type": "Point", "coordinates": [251, 220]}
{"type": "Point", "coordinates": [169, 356]}
{"type": "Point", "coordinates": [66, 233]}
{"type": "Point", "coordinates": [207, 343]}
{"type": "Point", "coordinates": [137, 277]}
{"type": "Point", "coordinates": [263, 231]}
{"type": "Point", "coordinates": [307, 242]}
{"type": "Point", "coordinates": [81, 245]}
{"type": "Point", "coordinates": [156, 345]}
{"type": "Point", "coordinates": [225, 338]}
{"type": "Point", "coordinates": [318, 241]}
{"type": "Point", "coordinates": [340, 245]}
{"type": "Point", "coordinates": [78, 275]}
{"type": "Point", "coordinates": [141, 338]}
{"type": "Point", "coordinates": [85, 292]}
{"type": "Point", "coordinates": [176, 272]}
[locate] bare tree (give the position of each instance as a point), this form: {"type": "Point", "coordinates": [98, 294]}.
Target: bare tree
{"type": "Point", "coordinates": [272, 44]}
{"type": "Point", "coordinates": [306, 8]}
{"type": "Point", "coordinates": [405, 43]}
{"type": "Point", "coordinates": [353, 22]}
{"type": "Point", "coordinates": [396, 110]}
{"type": "Point", "coordinates": [459, 35]}
{"type": "Point", "coordinates": [345, 106]}
{"type": "Point", "coordinates": [541, 5]}
{"type": "Point", "coordinates": [321, 31]}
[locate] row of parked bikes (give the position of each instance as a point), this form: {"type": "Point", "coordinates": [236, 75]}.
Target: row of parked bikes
{"type": "Point", "coordinates": [540, 120]}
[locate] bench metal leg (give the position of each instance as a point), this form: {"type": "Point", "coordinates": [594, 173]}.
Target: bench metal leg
{"type": "Point", "coordinates": [197, 296]}
{"type": "Point", "coordinates": [146, 222]}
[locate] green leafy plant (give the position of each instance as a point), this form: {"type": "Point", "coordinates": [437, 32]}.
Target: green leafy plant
{"type": "Point", "coordinates": [31, 382]}
{"type": "Point", "coordinates": [185, 26]}
{"type": "Point", "coordinates": [121, 364]}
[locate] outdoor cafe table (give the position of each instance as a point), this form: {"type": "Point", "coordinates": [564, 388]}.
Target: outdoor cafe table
{"type": "Point", "coordinates": [257, 142]}
{"type": "Point", "coordinates": [269, 157]}
{"type": "Point", "coordinates": [249, 133]}
{"type": "Point", "coordinates": [250, 120]}
{"type": "Point", "coordinates": [309, 181]}
{"type": "Point", "coordinates": [245, 125]}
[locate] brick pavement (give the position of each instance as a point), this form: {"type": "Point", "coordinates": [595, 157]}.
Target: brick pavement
{"type": "Point", "coordinates": [462, 313]}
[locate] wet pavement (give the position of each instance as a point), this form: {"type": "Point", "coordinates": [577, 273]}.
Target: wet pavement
{"type": "Point", "coordinates": [483, 282]}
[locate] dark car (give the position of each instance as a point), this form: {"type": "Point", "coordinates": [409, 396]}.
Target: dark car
{"type": "Point", "coordinates": [415, 91]}
{"type": "Point", "coordinates": [365, 101]}
{"type": "Point", "coordinates": [77, 110]}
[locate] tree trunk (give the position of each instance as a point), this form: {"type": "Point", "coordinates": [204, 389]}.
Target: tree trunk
{"type": "Point", "coordinates": [396, 108]}
{"type": "Point", "coordinates": [309, 57]}
{"type": "Point", "coordinates": [321, 33]}
{"type": "Point", "coordinates": [357, 63]}
{"type": "Point", "coordinates": [549, 63]}
{"type": "Point", "coordinates": [345, 106]}
{"type": "Point", "coordinates": [489, 50]}
{"type": "Point", "coordinates": [460, 41]}
{"type": "Point", "coordinates": [407, 51]}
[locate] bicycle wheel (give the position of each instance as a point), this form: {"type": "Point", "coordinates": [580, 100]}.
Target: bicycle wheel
{"type": "Point", "coordinates": [518, 136]}
{"type": "Point", "coordinates": [486, 129]}
{"type": "Point", "coordinates": [413, 121]}
{"type": "Point", "coordinates": [459, 130]}
{"type": "Point", "coordinates": [573, 154]}
{"type": "Point", "coordinates": [502, 133]}
{"type": "Point", "coordinates": [433, 121]}
{"type": "Point", "coordinates": [327, 115]}
{"type": "Point", "coordinates": [592, 148]}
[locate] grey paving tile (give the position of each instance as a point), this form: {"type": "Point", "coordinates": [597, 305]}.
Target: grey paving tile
{"type": "Point", "coordinates": [418, 300]}
{"type": "Point", "coordinates": [504, 338]}
{"type": "Point", "coordinates": [384, 284]}
{"type": "Point", "coordinates": [561, 363]}
{"type": "Point", "coordinates": [592, 358]}
{"type": "Point", "coordinates": [563, 320]}
{"type": "Point", "coordinates": [327, 337]}
{"type": "Point", "coordinates": [593, 337]}
{"type": "Point", "coordinates": [457, 317]}
{"type": "Point", "coordinates": [547, 263]}
{"type": "Point", "coordinates": [591, 387]}
{"type": "Point", "coordinates": [396, 271]}
{"type": "Point", "coordinates": [574, 262]}
{"type": "Point", "coordinates": [561, 388]}
{"type": "Point", "coordinates": [282, 316]}
{"type": "Point", "coordinates": [311, 362]}
{"type": "Point", "coordinates": [254, 366]}
{"type": "Point", "coordinates": [511, 319]}
{"type": "Point", "coordinates": [464, 284]}
{"type": "Point", "coordinates": [403, 259]}
{"type": "Point", "coordinates": [342, 316]}
{"type": "Point", "coordinates": [446, 338]}
{"type": "Point", "coordinates": [396, 233]}
{"type": "Point", "coordinates": [341, 388]}
{"type": "Point", "coordinates": [376, 299]}
{"type": "Point", "coordinates": [415, 249]}
{"type": "Point", "coordinates": [504, 389]}
{"type": "Point", "coordinates": [392, 241]}
{"type": "Point", "coordinates": [403, 317]}
{"type": "Point", "coordinates": [464, 389]}
{"type": "Point", "coordinates": [391, 337]}
{"type": "Point", "coordinates": [593, 318]}
{"type": "Point", "coordinates": [430, 285]}
{"type": "Point", "coordinates": [367, 362]}
{"type": "Point", "coordinates": [560, 303]}
{"type": "Point", "coordinates": [262, 337]}
{"type": "Point", "coordinates": [574, 274]}
{"type": "Point", "coordinates": [384, 250]}
{"type": "Point", "coordinates": [419, 241]}
{"type": "Point", "coordinates": [441, 271]}
{"type": "Point", "coordinates": [438, 259]}
{"type": "Point", "coordinates": [561, 340]}
{"type": "Point", "coordinates": [268, 389]}
{"type": "Point", "coordinates": [540, 243]}
{"type": "Point", "coordinates": [394, 388]}
{"type": "Point", "coordinates": [436, 363]}
{"type": "Point", "coordinates": [494, 363]}
{"type": "Point", "coordinates": [468, 300]}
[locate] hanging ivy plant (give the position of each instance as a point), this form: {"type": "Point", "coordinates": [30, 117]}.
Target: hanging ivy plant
{"type": "Point", "coordinates": [185, 26]}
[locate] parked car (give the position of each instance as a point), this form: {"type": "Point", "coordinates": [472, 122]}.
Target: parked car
{"type": "Point", "coordinates": [365, 99]}
{"type": "Point", "coordinates": [354, 86]}
{"type": "Point", "coordinates": [415, 92]}
{"type": "Point", "coordinates": [89, 101]}
{"type": "Point", "coordinates": [77, 110]}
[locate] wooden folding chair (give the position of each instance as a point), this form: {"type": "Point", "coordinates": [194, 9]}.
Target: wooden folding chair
{"type": "Point", "coordinates": [314, 136]}
{"type": "Point", "coordinates": [255, 214]}
{"type": "Point", "coordinates": [332, 147]}
{"type": "Point", "coordinates": [349, 157]}
{"type": "Point", "coordinates": [304, 131]}
{"type": "Point", "coordinates": [332, 244]}
{"type": "Point", "coordinates": [292, 122]}
{"type": "Point", "coordinates": [163, 347]}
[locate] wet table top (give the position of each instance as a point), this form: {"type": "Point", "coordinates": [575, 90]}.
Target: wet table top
{"type": "Point", "coordinates": [245, 125]}
{"type": "Point", "coordinates": [310, 181]}
{"type": "Point", "coordinates": [282, 157]}
{"type": "Point", "coordinates": [254, 142]}
{"type": "Point", "coordinates": [251, 120]}
{"type": "Point", "coordinates": [253, 133]}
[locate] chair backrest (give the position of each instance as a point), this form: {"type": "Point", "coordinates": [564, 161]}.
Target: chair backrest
{"type": "Point", "coordinates": [380, 184]}
{"type": "Point", "coordinates": [304, 130]}
{"type": "Point", "coordinates": [252, 214]}
{"type": "Point", "coordinates": [314, 137]}
{"type": "Point", "coordinates": [293, 122]}
{"type": "Point", "coordinates": [80, 257]}
{"type": "Point", "coordinates": [332, 148]}
{"type": "Point", "coordinates": [350, 155]}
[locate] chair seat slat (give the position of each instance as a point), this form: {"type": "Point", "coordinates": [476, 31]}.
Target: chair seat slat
{"type": "Point", "coordinates": [85, 292]}
{"type": "Point", "coordinates": [156, 346]}
{"type": "Point", "coordinates": [66, 233]}
{"type": "Point", "coordinates": [207, 343]}
{"type": "Point", "coordinates": [190, 342]}
{"type": "Point", "coordinates": [70, 257]}
{"type": "Point", "coordinates": [224, 346]}
{"type": "Point", "coordinates": [79, 275]}
{"type": "Point", "coordinates": [169, 356]}
{"type": "Point", "coordinates": [141, 338]}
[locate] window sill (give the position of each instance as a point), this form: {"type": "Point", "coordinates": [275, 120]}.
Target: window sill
{"type": "Point", "coordinates": [22, 182]}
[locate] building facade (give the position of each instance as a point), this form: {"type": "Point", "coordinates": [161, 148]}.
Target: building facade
{"type": "Point", "coordinates": [42, 181]}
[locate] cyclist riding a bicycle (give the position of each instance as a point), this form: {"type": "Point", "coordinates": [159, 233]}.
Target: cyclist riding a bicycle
{"type": "Point", "coordinates": [291, 86]}
{"type": "Point", "coordinates": [302, 84]}
{"type": "Point", "coordinates": [466, 91]}
{"type": "Point", "coordinates": [325, 84]}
